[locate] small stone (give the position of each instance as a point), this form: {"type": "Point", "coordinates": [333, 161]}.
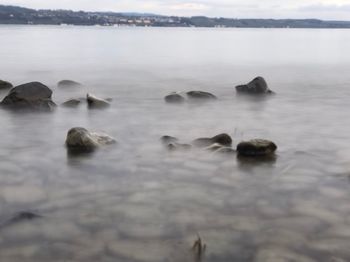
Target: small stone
{"type": "Point", "coordinates": [168, 139]}
{"type": "Point", "coordinates": [71, 103]}
{"type": "Point", "coordinates": [68, 83]}
{"type": "Point", "coordinates": [96, 102]}
{"type": "Point", "coordinates": [200, 95]}
{"type": "Point", "coordinates": [174, 98]}
{"type": "Point", "coordinates": [222, 139]}
{"type": "Point", "coordinates": [178, 146]}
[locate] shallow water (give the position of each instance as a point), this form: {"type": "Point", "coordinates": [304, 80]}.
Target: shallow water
{"type": "Point", "coordinates": [138, 202]}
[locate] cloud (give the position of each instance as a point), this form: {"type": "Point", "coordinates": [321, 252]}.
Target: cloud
{"type": "Point", "coordinates": [325, 8]}
{"type": "Point", "coordinates": [189, 6]}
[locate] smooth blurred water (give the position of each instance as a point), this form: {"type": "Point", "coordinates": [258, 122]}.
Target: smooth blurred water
{"type": "Point", "coordinates": [138, 202]}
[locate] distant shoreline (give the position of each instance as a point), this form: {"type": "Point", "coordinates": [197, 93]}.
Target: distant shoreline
{"type": "Point", "coordinates": [172, 27]}
{"type": "Point", "coordinates": [15, 15]}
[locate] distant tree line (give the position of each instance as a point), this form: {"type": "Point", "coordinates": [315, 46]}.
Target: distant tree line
{"type": "Point", "coordinates": [20, 15]}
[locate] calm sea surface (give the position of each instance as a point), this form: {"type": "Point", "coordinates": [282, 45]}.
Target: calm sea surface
{"type": "Point", "coordinates": [138, 202]}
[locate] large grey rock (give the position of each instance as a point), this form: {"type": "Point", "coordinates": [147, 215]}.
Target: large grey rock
{"type": "Point", "coordinates": [80, 139]}
{"type": "Point", "coordinates": [68, 83]}
{"type": "Point", "coordinates": [200, 95]}
{"type": "Point", "coordinates": [256, 147]}
{"type": "Point", "coordinates": [174, 98]}
{"type": "Point", "coordinates": [222, 139]}
{"type": "Point", "coordinates": [33, 95]}
{"type": "Point", "coordinates": [96, 102]}
{"type": "Point", "coordinates": [257, 86]}
{"type": "Point", "coordinates": [5, 85]}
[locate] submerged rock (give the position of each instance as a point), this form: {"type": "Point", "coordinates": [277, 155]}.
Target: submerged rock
{"type": "Point", "coordinates": [219, 148]}
{"type": "Point", "coordinates": [178, 146]}
{"type": "Point", "coordinates": [257, 86]}
{"type": "Point", "coordinates": [20, 217]}
{"type": "Point", "coordinates": [222, 139]}
{"type": "Point", "coordinates": [256, 147]}
{"type": "Point", "coordinates": [5, 85]}
{"type": "Point", "coordinates": [33, 95]}
{"type": "Point", "coordinates": [68, 83]}
{"type": "Point", "coordinates": [213, 147]}
{"type": "Point", "coordinates": [80, 139]}
{"type": "Point", "coordinates": [23, 216]}
{"type": "Point", "coordinates": [168, 140]}
{"type": "Point", "coordinates": [225, 150]}
{"type": "Point", "coordinates": [71, 103]}
{"type": "Point", "coordinates": [174, 98]}
{"type": "Point", "coordinates": [96, 102]}
{"type": "Point", "coordinates": [200, 95]}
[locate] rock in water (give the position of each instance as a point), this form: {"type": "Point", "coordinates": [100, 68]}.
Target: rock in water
{"type": "Point", "coordinates": [200, 95]}
{"type": "Point", "coordinates": [71, 103]}
{"type": "Point", "coordinates": [95, 102]}
{"type": "Point", "coordinates": [174, 98]}
{"type": "Point", "coordinates": [256, 147]}
{"type": "Point", "coordinates": [166, 140]}
{"type": "Point", "coordinates": [68, 83]}
{"type": "Point", "coordinates": [23, 216]}
{"type": "Point", "coordinates": [257, 86]}
{"type": "Point", "coordinates": [33, 95]}
{"type": "Point", "coordinates": [178, 146]}
{"type": "Point", "coordinates": [222, 139]}
{"type": "Point", "coordinates": [225, 150]}
{"type": "Point", "coordinates": [5, 85]}
{"type": "Point", "coordinates": [81, 140]}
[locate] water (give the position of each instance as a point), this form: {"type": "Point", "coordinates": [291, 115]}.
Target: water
{"type": "Point", "coordinates": [138, 202]}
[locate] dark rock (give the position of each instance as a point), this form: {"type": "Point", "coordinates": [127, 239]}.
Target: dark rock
{"type": "Point", "coordinates": [200, 95]}
{"type": "Point", "coordinates": [33, 95]}
{"type": "Point", "coordinates": [71, 103]}
{"type": "Point", "coordinates": [222, 139]}
{"type": "Point", "coordinates": [96, 102]}
{"type": "Point", "coordinates": [256, 147]}
{"type": "Point", "coordinates": [80, 139]}
{"type": "Point", "coordinates": [5, 85]}
{"type": "Point", "coordinates": [174, 98]}
{"type": "Point", "coordinates": [68, 83]}
{"type": "Point", "coordinates": [257, 86]}
{"type": "Point", "coordinates": [168, 139]}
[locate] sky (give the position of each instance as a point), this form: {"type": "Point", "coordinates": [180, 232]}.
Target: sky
{"type": "Point", "coordinates": [321, 9]}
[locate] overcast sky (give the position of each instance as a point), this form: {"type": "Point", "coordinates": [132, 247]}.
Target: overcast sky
{"type": "Point", "coordinates": [323, 9]}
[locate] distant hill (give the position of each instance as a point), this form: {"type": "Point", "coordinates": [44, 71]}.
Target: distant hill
{"type": "Point", "coordinates": [20, 15]}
